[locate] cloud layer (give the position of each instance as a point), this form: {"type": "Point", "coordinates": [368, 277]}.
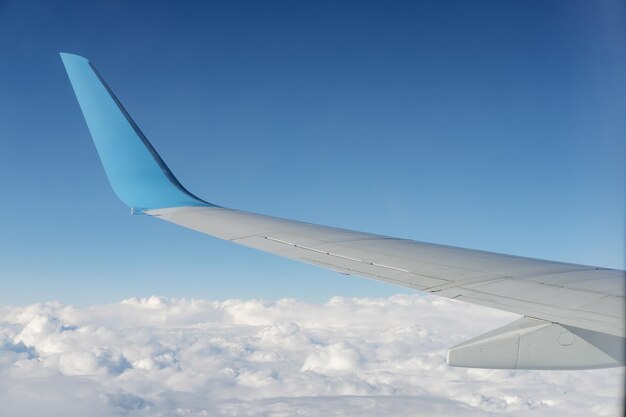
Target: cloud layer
{"type": "Point", "coordinates": [348, 357]}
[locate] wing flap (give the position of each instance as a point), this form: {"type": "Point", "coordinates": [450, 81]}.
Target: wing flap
{"type": "Point", "coordinates": [537, 344]}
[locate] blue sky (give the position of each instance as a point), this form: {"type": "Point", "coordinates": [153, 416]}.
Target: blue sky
{"type": "Point", "coordinates": [477, 124]}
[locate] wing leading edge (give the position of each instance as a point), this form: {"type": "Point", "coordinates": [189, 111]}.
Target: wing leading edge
{"type": "Point", "coordinates": [573, 314]}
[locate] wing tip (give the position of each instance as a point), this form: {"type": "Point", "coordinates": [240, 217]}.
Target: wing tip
{"type": "Point", "coordinates": [136, 172]}
{"type": "Point", "coordinates": [68, 57]}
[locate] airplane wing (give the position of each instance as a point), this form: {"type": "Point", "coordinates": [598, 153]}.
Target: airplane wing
{"type": "Point", "coordinates": [573, 316]}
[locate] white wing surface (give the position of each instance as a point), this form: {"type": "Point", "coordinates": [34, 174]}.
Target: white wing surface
{"type": "Point", "coordinates": [573, 315]}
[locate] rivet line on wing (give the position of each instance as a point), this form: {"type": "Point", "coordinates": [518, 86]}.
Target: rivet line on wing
{"type": "Point", "coordinates": [336, 255]}
{"type": "Point", "coordinates": [393, 268]}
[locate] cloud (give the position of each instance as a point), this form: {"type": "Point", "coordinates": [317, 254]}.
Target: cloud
{"type": "Point", "coordinates": [350, 356]}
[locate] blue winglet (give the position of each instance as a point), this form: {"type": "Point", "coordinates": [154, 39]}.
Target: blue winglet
{"type": "Point", "coordinates": [136, 172]}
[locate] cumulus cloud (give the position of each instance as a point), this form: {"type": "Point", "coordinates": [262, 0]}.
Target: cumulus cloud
{"type": "Point", "coordinates": [350, 356]}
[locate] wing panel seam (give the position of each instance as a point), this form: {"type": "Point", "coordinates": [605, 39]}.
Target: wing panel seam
{"type": "Point", "coordinates": [336, 255]}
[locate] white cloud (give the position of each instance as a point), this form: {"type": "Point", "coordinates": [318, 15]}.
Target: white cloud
{"type": "Point", "coordinates": [360, 357]}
